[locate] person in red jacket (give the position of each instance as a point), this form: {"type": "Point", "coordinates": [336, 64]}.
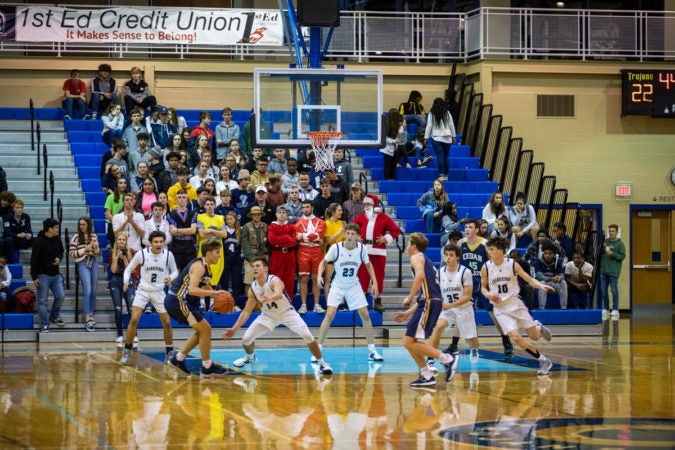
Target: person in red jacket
{"type": "Point", "coordinates": [377, 231]}
{"type": "Point", "coordinates": [309, 233]}
{"type": "Point", "coordinates": [281, 235]}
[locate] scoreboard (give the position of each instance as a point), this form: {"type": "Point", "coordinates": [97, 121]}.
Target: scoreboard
{"type": "Point", "coordinates": [648, 92]}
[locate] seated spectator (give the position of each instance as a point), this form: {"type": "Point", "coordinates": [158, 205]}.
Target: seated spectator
{"type": "Point", "coordinates": [307, 192]}
{"type": "Point", "coordinates": [137, 156]}
{"type": "Point", "coordinates": [291, 176]}
{"type": "Point", "coordinates": [146, 198]}
{"type": "Point", "coordinates": [260, 176]}
{"type": "Point", "coordinates": [579, 277]}
{"type": "Point", "coordinates": [412, 110]}
{"type": "Point", "coordinates": [162, 131]}
{"type": "Point", "coordinates": [278, 163]}
{"type": "Point", "coordinates": [422, 152]}
{"type": "Point", "coordinates": [353, 207]}
{"type": "Point", "coordinates": [449, 222]}
{"type": "Point", "coordinates": [18, 234]}
{"type": "Point", "coordinates": [293, 205]}
{"type": "Point", "coordinates": [7, 199]}
{"type": "Point", "coordinates": [226, 181]}
{"type": "Point", "coordinates": [151, 119]}
{"type": "Point", "coordinates": [502, 229]}
{"type": "Point", "coordinates": [165, 177]}
{"type": "Point", "coordinates": [535, 249]}
{"type": "Point", "coordinates": [5, 281]}
{"type": "Point", "coordinates": [157, 222]}
{"type": "Point", "coordinates": [431, 204]}
{"type": "Point", "coordinates": [113, 123]}
{"type": "Point", "coordinates": [177, 143]}
{"type": "Point", "coordinates": [495, 208]}
{"type": "Point", "coordinates": [119, 158]}
{"type": "Point", "coordinates": [74, 97]}
{"type": "Point", "coordinates": [137, 92]}
{"type": "Point", "coordinates": [562, 240]}
{"type": "Point", "coordinates": [483, 229]}
{"type": "Point", "coordinates": [103, 91]}
{"type": "Point", "coordinates": [274, 194]}
{"type": "Point", "coordinates": [2, 239]}
{"type": "Point", "coordinates": [110, 177]}
{"type": "Point", "coordinates": [343, 168]}
{"type": "Point", "coordinates": [133, 129]}
{"type": "Point", "coordinates": [203, 130]}
{"type": "Point", "coordinates": [226, 132]}
{"type": "Point", "coordinates": [526, 291]}
{"type": "Point", "coordinates": [177, 120]}
{"type": "Point", "coordinates": [243, 195]}
{"type": "Point", "coordinates": [550, 270]}
{"type": "Point", "coordinates": [523, 218]}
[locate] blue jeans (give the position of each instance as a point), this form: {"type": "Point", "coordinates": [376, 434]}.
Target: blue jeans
{"type": "Point", "coordinates": [78, 103]}
{"type": "Point", "coordinates": [98, 106]}
{"type": "Point", "coordinates": [419, 119]}
{"type": "Point", "coordinates": [421, 152]}
{"type": "Point", "coordinates": [89, 279]}
{"type": "Point", "coordinates": [116, 292]}
{"type": "Point", "coordinates": [613, 283]}
{"type": "Point", "coordinates": [55, 284]}
{"type": "Point", "coordinates": [428, 216]}
{"type": "Point", "coordinates": [442, 151]}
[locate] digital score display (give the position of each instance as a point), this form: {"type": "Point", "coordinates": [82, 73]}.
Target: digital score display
{"type": "Point", "coordinates": [648, 92]}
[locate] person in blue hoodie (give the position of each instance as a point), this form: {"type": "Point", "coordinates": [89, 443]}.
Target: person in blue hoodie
{"type": "Point", "coordinates": [550, 270]}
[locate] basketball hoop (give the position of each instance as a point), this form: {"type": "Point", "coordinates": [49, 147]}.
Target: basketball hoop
{"type": "Point", "coordinates": [324, 143]}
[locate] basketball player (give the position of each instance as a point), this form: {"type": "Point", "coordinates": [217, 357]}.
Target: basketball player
{"type": "Point", "coordinates": [158, 269]}
{"type": "Point", "coordinates": [347, 257]}
{"type": "Point", "coordinates": [457, 289]}
{"type": "Point", "coordinates": [424, 313]}
{"type": "Point", "coordinates": [276, 309]}
{"type": "Point", "coordinates": [182, 303]}
{"type": "Point", "coordinates": [499, 281]}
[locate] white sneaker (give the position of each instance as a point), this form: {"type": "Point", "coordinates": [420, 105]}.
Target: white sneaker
{"type": "Point", "coordinates": [605, 314]}
{"type": "Point", "coordinates": [248, 384]}
{"type": "Point", "coordinates": [615, 314]}
{"type": "Point", "coordinates": [302, 309]}
{"type": "Point", "coordinates": [136, 341]}
{"type": "Point", "coordinates": [545, 332]}
{"type": "Point", "coordinates": [325, 369]}
{"type": "Point", "coordinates": [119, 341]}
{"type": "Point", "coordinates": [431, 365]}
{"type": "Point", "coordinates": [241, 362]}
{"type": "Point", "coordinates": [374, 356]}
{"type": "Point", "coordinates": [319, 309]}
{"type": "Point", "coordinates": [473, 381]}
{"type": "Point", "coordinates": [474, 356]}
{"type": "Point", "coordinates": [545, 365]}
{"type": "Point", "coordinates": [126, 356]}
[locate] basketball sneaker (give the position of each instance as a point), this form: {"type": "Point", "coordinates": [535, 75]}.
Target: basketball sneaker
{"type": "Point", "coordinates": [432, 365]}
{"type": "Point", "coordinates": [545, 365]}
{"type": "Point", "coordinates": [173, 361]}
{"type": "Point", "coordinates": [126, 356]}
{"type": "Point", "coordinates": [450, 365]}
{"type": "Point", "coordinates": [508, 346]}
{"type": "Point", "coordinates": [325, 369]}
{"type": "Point", "coordinates": [374, 356]}
{"type": "Point", "coordinates": [422, 382]}
{"type": "Point", "coordinates": [213, 371]}
{"type": "Point", "coordinates": [474, 356]}
{"type": "Point", "coordinates": [241, 362]}
{"type": "Point", "coordinates": [545, 332]}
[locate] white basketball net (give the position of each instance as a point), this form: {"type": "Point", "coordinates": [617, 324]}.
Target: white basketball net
{"type": "Point", "coordinates": [324, 143]}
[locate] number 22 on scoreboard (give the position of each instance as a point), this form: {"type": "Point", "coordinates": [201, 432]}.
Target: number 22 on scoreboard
{"type": "Point", "coordinates": [642, 92]}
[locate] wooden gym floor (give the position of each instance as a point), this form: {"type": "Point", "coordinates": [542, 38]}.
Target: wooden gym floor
{"type": "Point", "coordinates": [616, 390]}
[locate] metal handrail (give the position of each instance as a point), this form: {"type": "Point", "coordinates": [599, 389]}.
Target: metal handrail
{"type": "Point", "coordinates": [401, 249]}
{"type": "Point", "coordinates": [39, 137]}
{"type": "Point", "coordinates": [31, 107]}
{"type": "Point", "coordinates": [45, 161]}
{"type": "Point", "coordinates": [67, 239]}
{"type": "Point", "coordinates": [51, 194]}
{"type": "Point", "coordinates": [363, 179]}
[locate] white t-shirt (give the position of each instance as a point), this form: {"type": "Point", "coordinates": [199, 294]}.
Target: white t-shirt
{"type": "Point", "coordinates": [133, 238]}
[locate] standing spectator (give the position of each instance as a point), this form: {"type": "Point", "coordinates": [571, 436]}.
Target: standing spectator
{"type": "Point", "coordinates": [293, 205]}
{"type": "Point", "coordinates": [579, 278]}
{"type": "Point", "coordinates": [274, 194]}
{"type": "Point", "coordinates": [226, 131]}
{"type": "Point", "coordinates": [181, 184]}
{"type": "Point", "coordinates": [44, 271]}
{"type": "Point", "coordinates": [246, 135]}
{"type": "Point", "coordinates": [335, 232]}
{"type": "Point", "coordinates": [392, 143]}
{"type": "Point", "coordinates": [354, 206]}
{"type": "Point", "coordinates": [523, 218]}
{"type": "Point", "coordinates": [119, 157]}
{"type": "Point", "coordinates": [203, 130]}
{"type": "Point", "coordinates": [18, 234]}
{"type": "Point", "coordinates": [210, 225]}
{"type": "Point", "coordinates": [235, 159]}
{"type": "Point", "coordinates": [307, 192]}
{"type": "Point", "coordinates": [291, 176]}
{"type": "Point", "coordinates": [157, 222]}
{"type": "Point", "coordinates": [321, 202]}
{"type": "Point", "coordinates": [610, 269]}
{"type": "Point", "coordinates": [136, 156]}
{"type": "Point", "coordinates": [226, 181]}
{"type": "Point", "coordinates": [343, 168]}
{"type": "Point", "coordinates": [234, 258]}
{"type": "Point", "coordinates": [283, 241]}
{"type": "Point", "coordinates": [74, 96]}
{"type": "Point", "coordinates": [137, 92]}
{"type": "Point", "coordinates": [113, 204]}
{"type": "Point", "coordinates": [129, 222]}
{"type": "Point", "coordinates": [253, 242]}
{"type": "Point", "coordinates": [260, 175]}
{"type": "Point", "coordinates": [309, 233]}
{"type": "Point", "coordinates": [5, 281]}
{"type": "Point", "coordinates": [263, 203]}
{"type": "Point", "coordinates": [550, 270]}
{"type": "Point", "coordinates": [431, 204]}
{"type": "Point", "coordinates": [377, 231]}
{"type": "Point", "coordinates": [152, 118]}
{"type": "Point", "coordinates": [201, 176]}
{"type": "Point", "coordinates": [162, 131]}
{"type": "Point", "coordinates": [225, 205]}
{"type": "Point", "coordinates": [338, 188]}
{"type": "Point", "coordinates": [494, 209]}
{"type": "Point", "coordinates": [563, 241]}
{"type": "Point", "coordinates": [103, 91]}
{"type": "Point", "coordinates": [118, 258]}
{"type": "Point", "coordinates": [135, 127]}
{"type": "Point", "coordinates": [278, 164]}
{"type": "Point", "coordinates": [242, 196]}
{"type": "Point", "coordinates": [253, 160]}
{"type": "Point", "coordinates": [165, 176]}
{"type": "Point", "coordinates": [441, 129]}
{"type": "Point", "coordinates": [113, 123]}
{"type": "Point", "coordinates": [85, 250]}
{"type": "Point", "coordinates": [412, 110]}
{"type": "Point", "coordinates": [183, 229]}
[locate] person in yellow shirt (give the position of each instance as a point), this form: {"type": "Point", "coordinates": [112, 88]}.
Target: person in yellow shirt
{"type": "Point", "coordinates": [335, 229]}
{"type": "Point", "coordinates": [182, 173]}
{"type": "Point", "coordinates": [209, 226]}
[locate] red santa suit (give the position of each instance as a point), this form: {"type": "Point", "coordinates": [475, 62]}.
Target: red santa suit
{"type": "Point", "coordinates": [310, 245]}
{"type": "Point", "coordinates": [282, 239]}
{"type": "Point", "coordinates": [380, 224]}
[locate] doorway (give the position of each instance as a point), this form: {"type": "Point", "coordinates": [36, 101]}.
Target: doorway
{"type": "Point", "coordinates": [651, 240]}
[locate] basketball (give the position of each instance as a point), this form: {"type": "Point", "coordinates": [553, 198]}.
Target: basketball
{"type": "Point", "coordinates": [223, 302]}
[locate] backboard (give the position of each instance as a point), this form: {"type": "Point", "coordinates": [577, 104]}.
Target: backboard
{"type": "Point", "coordinates": [295, 101]}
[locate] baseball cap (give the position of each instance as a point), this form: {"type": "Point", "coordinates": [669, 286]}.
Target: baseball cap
{"type": "Point", "coordinates": [163, 110]}
{"type": "Point", "coordinates": [357, 185]}
{"type": "Point", "coordinates": [260, 188]}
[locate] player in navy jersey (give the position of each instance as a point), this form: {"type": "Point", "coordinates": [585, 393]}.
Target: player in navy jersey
{"type": "Point", "coordinates": [182, 303]}
{"type": "Point", "coordinates": [499, 284]}
{"type": "Point", "coordinates": [424, 313]}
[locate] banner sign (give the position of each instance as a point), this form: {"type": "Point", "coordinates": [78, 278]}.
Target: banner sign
{"type": "Point", "coordinates": [43, 23]}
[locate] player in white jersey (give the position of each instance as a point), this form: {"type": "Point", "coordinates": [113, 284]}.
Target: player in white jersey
{"type": "Point", "coordinates": [158, 269]}
{"type": "Point", "coordinates": [457, 288]}
{"type": "Point", "coordinates": [276, 309]}
{"type": "Point", "coordinates": [347, 257]}
{"type": "Point", "coordinates": [499, 284]}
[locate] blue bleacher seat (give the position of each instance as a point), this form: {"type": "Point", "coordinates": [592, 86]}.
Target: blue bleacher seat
{"type": "Point", "coordinates": [21, 321]}
{"type": "Point", "coordinates": [477, 187]}
{"type": "Point", "coordinates": [16, 270]}
{"type": "Point", "coordinates": [16, 284]}
{"type": "Point", "coordinates": [95, 198]}
{"type": "Point", "coordinates": [84, 136]}
{"type": "Point", "coordinates": [83, 125]}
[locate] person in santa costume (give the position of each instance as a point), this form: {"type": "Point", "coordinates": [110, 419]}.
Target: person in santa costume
{"type": "Point", "coordinates": [281, 235]}
{"type": "Point", "coordinates": [377, 231]}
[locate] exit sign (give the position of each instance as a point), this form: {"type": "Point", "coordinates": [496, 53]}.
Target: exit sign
{"type": "Point", "coordinates": [623, 190]}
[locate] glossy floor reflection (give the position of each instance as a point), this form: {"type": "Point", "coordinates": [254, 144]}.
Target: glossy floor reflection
{"type": "Point", "coordinates": [610, 391]}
